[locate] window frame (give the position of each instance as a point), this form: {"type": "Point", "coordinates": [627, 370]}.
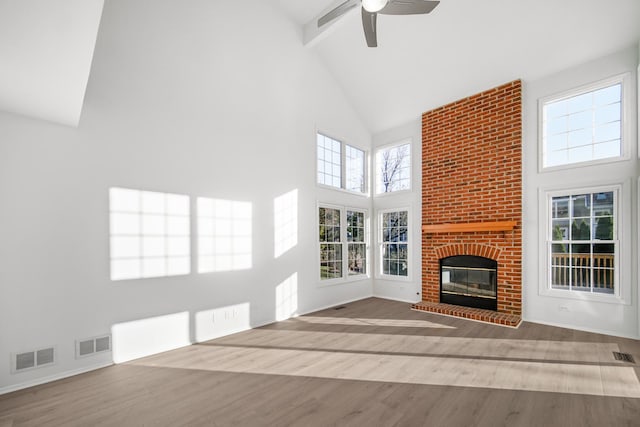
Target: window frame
{"type": "Point", "coordinates": [621, 290]}
{"type": "Point", "coordinates": [625, 131]}
{"type": "Point", "coordinates": [407, 141]}
{"type": "Point", "coordinates": [365, 243]}
{"type": "Point", "coordinates": [343, 166]}
{"type": "Point", "coordinates": [379, 232]}
{"type": "Point", "coordinates": [345, 277]}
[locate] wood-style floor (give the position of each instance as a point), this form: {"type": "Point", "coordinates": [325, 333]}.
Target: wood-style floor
{"type": "Point", "coordinates": [372, 363]}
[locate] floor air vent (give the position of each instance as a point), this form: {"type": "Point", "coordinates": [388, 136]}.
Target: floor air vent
{"type": "Point", "coordinates": [340, 308]}
{"type": "Point", "coordinates": [33, 359]}
{"type": "Point", "coordinates": [625, 357]}
{"type": "Point", "coordinates": [94, 345]}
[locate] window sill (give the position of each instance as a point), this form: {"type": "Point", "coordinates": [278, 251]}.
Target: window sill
{"type": "Point", "coordinates": [342, 190]}
{"type": "Point", "coordinates": [342, 281]}
{"type": "Point", "coordinates": [394, 193]}
{"type": "Point", "coordinates": [569, 166]}
{"type": "Point", "coordinates": [583, 296]}
{"type": "Point", "coordinates": [393, 278]}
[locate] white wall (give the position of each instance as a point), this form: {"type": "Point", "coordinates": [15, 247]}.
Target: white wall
{"type": "Point", "coordinates": [215, 99]}
{"type": "Point", "coordinates": [46, 49]}
{"type": "Point", "coordinates": [403, 290]}
{"type": "Point", "coordinates": [611, 318]}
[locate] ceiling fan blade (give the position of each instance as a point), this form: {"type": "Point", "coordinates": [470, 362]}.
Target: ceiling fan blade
{"type": "Point", "coordinates": [369, 23]}
{"type": "Point", "coordinates": [409, 7]}
{"type": "Point", "coordinates": [337, 12]}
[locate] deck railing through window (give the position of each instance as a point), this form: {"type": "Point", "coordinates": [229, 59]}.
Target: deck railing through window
{"type": "Point", "coordinates": [580, 269]}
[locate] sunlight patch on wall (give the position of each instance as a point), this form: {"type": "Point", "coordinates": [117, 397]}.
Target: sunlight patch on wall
{"type": "Point", "coordinates": [285, 222]}
{"type": "Point", "coordinates": [149, 234]}
{"type": "Point", "coordinates": [217, 322]}
{"type": "Point", "coordinates": [287, 297]}
{"type": "Point", "coordinates": [144, 337]}
{"type": "Point", "coordinates": [224, 235]}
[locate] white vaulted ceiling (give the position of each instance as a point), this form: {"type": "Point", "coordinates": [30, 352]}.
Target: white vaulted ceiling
{"type": "Point", "coordinates": [46, 48]}
{"type": "Point", "coordinates": [421, 62]}
{"type": "Point", "coordinates": [463, 47]}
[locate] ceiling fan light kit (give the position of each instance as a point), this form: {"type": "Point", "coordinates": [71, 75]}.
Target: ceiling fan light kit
{"type": "Point", "coordinates": [371, 9]}
{"type": "Point", "coordinates": [374, 5]}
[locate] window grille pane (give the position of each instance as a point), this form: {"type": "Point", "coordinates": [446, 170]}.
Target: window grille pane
{"type": "Point", "coordinates": [580, 229]}
{"type": "Point", "coordinates": [608, 95]}
{"type": "Point", "coordinates": [560, 207]}
{"type": "Point", "coordinates": [581, 279]}
{"type": "Point", "coordinates": [581, 205]}
{"type": "Point", "coordinates": [560, 277]}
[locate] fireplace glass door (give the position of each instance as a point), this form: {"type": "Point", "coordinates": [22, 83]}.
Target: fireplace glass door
{"type": "Point", "coordinates": [469, 280]}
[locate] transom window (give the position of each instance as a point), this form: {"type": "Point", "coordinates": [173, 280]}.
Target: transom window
{"type": "Point", "coordinates": [583, 243]}
{"type": "Point", "coordinates": [394, 243]}
{"type": "Point", "coordinates": [583, 126]}
{"type": "Point", "coordinates": [342, 235]}
{"type": "Point", "coordinates": [340, 165]}
{"type": "Point", "coordinates": [393, 168]}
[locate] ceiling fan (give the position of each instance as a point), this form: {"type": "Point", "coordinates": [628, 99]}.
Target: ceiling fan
{"type": "Point", "coordinates": [371, 9]}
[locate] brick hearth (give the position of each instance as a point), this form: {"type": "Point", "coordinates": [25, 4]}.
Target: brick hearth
{"type": "Point", "coordinates": [489, 316]}
{"type": "Point", "coordinates": [472, 174]}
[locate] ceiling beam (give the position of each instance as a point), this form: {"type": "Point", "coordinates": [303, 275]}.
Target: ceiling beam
{"type": "Point", "coordinates": [313, 33]}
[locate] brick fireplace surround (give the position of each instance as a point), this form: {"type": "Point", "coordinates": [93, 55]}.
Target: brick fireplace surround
{"type": "Point", "coordinates": [472, 196]}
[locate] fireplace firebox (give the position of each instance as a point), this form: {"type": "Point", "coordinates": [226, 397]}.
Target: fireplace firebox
{"type": "Point", "coordinates": [470, 281]}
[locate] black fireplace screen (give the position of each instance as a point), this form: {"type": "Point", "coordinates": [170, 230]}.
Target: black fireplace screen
{"type": "Point", "coordinates": [469, 281]}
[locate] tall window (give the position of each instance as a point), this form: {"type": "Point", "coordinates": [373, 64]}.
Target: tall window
{"type": "Point", "coordinates": [583, 243]}
{"type": "Point", "coordinates": [394, 243]}
{"type": "Point", "coordinates": [393, 168]}
{"type": "Point", "coordinates": [150, 234]}
{"type": "Point", "coordinates": [343, 242]}
{"type": "Point", "coordinates": [340, 165]}
{"type": "Point", "coordinates": [357, 246]}
{"type": "Point", "coordinates": [330, 243]}
{"type": "Point", "coordinates": [583, 126]}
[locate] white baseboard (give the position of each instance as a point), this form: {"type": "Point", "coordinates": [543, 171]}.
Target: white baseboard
{"type": "Point", "coordinates": [397, 299]}
{"type": "Point", "coordinates": [575, 328]}
{"type": "Point", "coordinates": [332, 305]}
{"type": "Point", "coordinates": [51, 378]}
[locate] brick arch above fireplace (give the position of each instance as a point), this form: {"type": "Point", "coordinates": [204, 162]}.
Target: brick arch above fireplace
{"type": "Point", "coordinates": [474, 249]}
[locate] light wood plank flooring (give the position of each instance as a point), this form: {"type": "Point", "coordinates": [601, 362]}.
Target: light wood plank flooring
{"type": "Point", "coordinates": [372, 363]}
